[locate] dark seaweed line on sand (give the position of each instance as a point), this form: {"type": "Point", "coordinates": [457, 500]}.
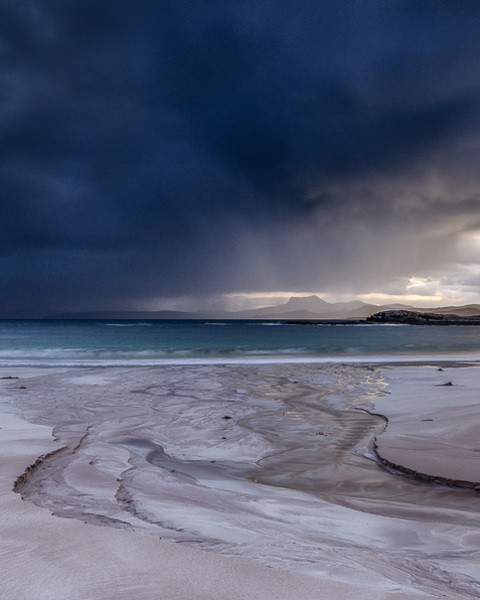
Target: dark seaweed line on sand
{"type": "Point", "coordinates": [398, 469]}
{"type": "Point", "coordinates": [21, 479]}
{"type": "Point", "coordinates": [459, 483]}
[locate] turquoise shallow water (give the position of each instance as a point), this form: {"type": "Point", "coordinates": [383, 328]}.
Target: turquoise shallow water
{"type": "Point", "coordinates": [147, 342]}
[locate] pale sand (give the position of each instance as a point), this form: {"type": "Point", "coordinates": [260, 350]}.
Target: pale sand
{"type": "Point", "coordinates": [434, 423]}
{"type": "Point", "coordinates": [46, 557]}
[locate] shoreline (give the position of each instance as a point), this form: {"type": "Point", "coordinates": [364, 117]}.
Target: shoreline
{"type": "Point", "coordinates": [460, 359]}
{"type": "Point", "coordinates": [336, 575]}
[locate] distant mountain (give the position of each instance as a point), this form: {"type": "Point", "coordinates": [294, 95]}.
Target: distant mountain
{"type": "Point", "coordinates": [312, 304]}
{"type": "Point", "coordinates": [470, 310]}
{"type": "Point", "coordinates": [311, 307]}
{"type": "Point", "coordinates": [309, 304]}
{"type": "Point", "coordinates": [296, 308]}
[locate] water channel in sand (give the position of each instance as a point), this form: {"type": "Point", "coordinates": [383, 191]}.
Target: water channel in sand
{"type": "Point", "coordinates": [262, 461]}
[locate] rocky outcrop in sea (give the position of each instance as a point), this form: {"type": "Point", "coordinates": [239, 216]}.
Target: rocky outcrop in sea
{"type": "Point", "coordinates": [410, 317]}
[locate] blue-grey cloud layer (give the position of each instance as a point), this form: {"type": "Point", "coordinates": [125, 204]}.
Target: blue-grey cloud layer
{"type": "Point", "coordinates": [198, 147]}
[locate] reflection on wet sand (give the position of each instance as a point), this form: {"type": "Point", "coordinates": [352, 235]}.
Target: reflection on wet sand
{"type": "Point", "coordinates": [340, 465]}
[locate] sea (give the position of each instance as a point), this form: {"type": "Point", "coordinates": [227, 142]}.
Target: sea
{"type": "Point", "coordinates": [152, 342]}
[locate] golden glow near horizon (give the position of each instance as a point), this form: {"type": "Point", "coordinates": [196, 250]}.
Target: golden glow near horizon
{"type": "Point", "coordinates": [371, 297]}
{"type": "Point", "coordinates": [382, 298]}
{"type": "Point", "coordinates": [416, 290]}
{"type": "Point", "coordinates": [419, 291]}
{"type": "Point", "coordinates": [453, 284]}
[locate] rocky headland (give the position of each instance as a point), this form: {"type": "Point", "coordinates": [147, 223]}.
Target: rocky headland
{"type": "Point", "coordinates": [410, 317]}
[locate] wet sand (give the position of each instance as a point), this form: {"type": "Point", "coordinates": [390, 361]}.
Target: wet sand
{"type": "Point", "coordinates": [265, 476]}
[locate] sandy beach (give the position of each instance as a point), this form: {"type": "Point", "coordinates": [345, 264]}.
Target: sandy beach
{"type": "Point", "coordinates": [240, 481]}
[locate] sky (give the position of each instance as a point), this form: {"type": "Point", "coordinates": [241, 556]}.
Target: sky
{"type": "Point", "coordinates": [192, 154]}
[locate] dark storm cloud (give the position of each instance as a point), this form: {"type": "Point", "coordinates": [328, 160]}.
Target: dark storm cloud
{"type": "Point", "coordinates": [170, 148]}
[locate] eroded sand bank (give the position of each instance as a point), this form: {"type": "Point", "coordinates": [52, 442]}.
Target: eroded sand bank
{"type": "Point", "coordinates": [434, 423]}
{"type": "Point", "coordinates": [273, 464]}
